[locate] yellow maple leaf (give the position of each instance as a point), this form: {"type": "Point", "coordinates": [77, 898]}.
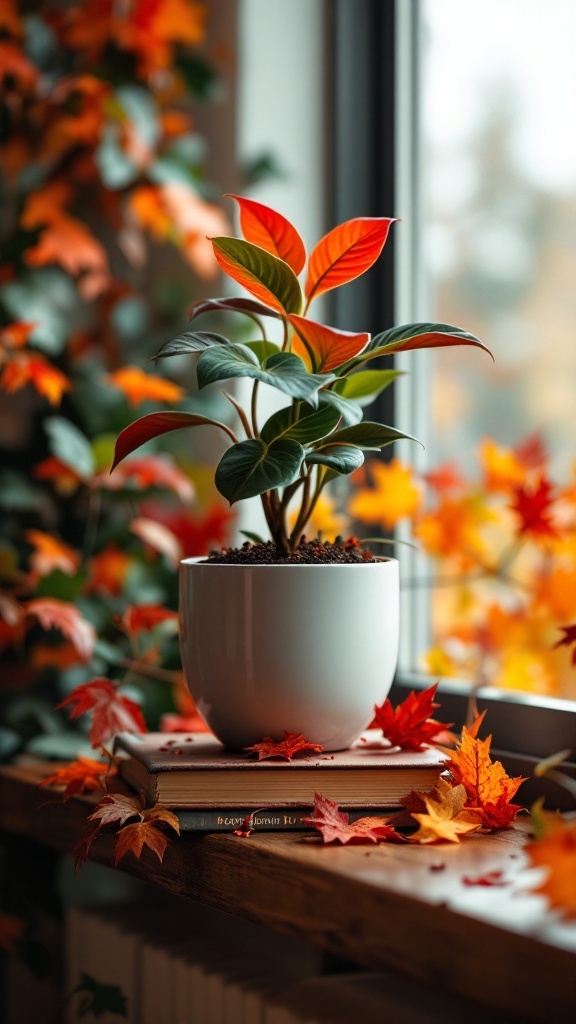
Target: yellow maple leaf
{"type": "Point", "coordinates": [393, 496]}
{"type": "Point", "coordinates": [139, 386]}
{"type": "Point", "coordinates": [502, 467]}
{"type": "Point", "coordinates": [557, 852]}
{"type": "Point", "coordinates": [445, 816]}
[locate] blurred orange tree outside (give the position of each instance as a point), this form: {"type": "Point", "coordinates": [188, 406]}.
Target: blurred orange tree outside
{"type": "Point", "coordinates": [105, 213]}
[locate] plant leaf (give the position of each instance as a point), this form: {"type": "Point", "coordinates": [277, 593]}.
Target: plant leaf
{"type": "Point", "coordinates": [111, 711]}
{"type": "Point", "coordinates": [189, 341]}
{"type": "Point", "coordinates": [262, 349]}
{"type": "Point", "coordinates": [341, 458]}
{"type": "Point", "coordinates": [70, 446]}
{"type": "Point", "coordinates": [345, 253]}
{"type": "Point", "coordinates": [326, 347]}
{"type": "Point", "coordinates": [252, 467]}
{"type": "Point", "coordinates": [283, 370]}
{"type": "Point", "coordinates": [350, 412]}
{"type": "Point", "coordinates": [370, 435]}
{"type": "Point", "coordinates": [365, 385]}
{"type": "Point", "coordinates": [232, 304]}
{"type": "Point", "coordinates": [311, 426]}
{"type": "Point", "coordinates": [420, 335]}
{"type": "Point", "coordinates": [155, 424]}
{"type": "Point", "coordinates": [271, 231]}
{"type": "Point", "coordinates": [254, 537]}
{"type": "Point", "coordinates": [267, 277]}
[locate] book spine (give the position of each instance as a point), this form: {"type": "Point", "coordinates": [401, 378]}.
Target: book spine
{"type": "Point", "coordinates": [275, 820]}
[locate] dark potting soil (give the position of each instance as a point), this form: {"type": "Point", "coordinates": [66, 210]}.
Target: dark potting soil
{"type": "Point", "coordinates": [308, 552]}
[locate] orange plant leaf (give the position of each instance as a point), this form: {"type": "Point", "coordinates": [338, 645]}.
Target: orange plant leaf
{"type": "Point", "coordinates": [410, 725]}
{"type": "Point", "coordinates": [108, 570]}
{"type": "Point", "coordinates": [442, 815]}
{"type": "Point", "coordinates": [556, 851]}
{"type": "Point", "coordinates": [334, 826]}
{"type": "Point", "coordinates": [266, 276]}
{"type": "Point", "coordinates": [81, 776]}
{"type": "Point", "coordinates": [489, 788]}
{"type": "Point", "coordinates": [287, 748]}
{"type": "Point", "coordinates": [325, 347]}
{"type": "Point", "coordinates": [50, 553]}
{"type": "Point", "coordinates": [144, 617]}
{"type": "Point", "coordinates": [15, 66]}
{"type": "Point", "coordinates": [68, 242]}
{"type": "Point", "coordinates": [534, 506]}
{"type": "Point", "coordinates": [16, 335]}
{"type": "Point", "coordinates": [25, 368]}
{"type": "Point", "coordinates": [111, 712]}
{"type": "Point", "coordinates": [345, 253]}
{"type": "Point", "coordinates": [271, 231]}
{"type": "Point", "coordinates": [139, 386]}
{"type": "Point", "coordinates": [148, 471]}
{"type": "Point", "coordinates": [64, 616]}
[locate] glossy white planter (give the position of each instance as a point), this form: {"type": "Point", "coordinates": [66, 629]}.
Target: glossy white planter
{"type": "Point", "coordinates": [305, 648]}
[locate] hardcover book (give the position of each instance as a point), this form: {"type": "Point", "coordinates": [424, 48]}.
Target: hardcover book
{"type": "Point", "coordinates": [195, 771]}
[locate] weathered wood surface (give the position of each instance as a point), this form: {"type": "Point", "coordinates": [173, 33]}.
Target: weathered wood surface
{"type": "Point", "coordinates": [404, 908]}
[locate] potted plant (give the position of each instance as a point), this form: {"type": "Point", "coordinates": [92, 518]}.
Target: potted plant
{"type": "Point", "coordinates": [290, 634]}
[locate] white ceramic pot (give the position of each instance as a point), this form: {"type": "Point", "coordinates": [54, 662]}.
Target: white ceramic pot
{"type": "Point", "coordinates": [305, 648]}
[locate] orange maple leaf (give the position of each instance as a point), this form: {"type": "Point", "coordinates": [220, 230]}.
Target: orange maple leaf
{"type": "Point", "coordinates": [287, 748]}
{"type": "Point", "coordinates": [25, 368]}
{"type": "Point", "coordinates": [133, 838]}
{"type": "Point", "coordinates": [81, 776]}
{"type": "Point", "coordinates": [111, 711]}
{"type": "Point", "coordinates": [454, 529]}
{"type": "Point", "coordinates": [16, 335]}
{"type": "Point", "coordinates": [503, 469]}
{"type": "Point", "coordinates": [334, 826]}
{"type": "Point", "coordinates": [139, 386]}
{"type": "Point", "coordinates": [393, 496]}
{"type": "Point", "coordinates": [108, 570]}
{"type": "Point", "coordinates": [65, 480]}
{"type": "Point", "coordinates": [441, 814]}
{"type": "Point", "coordinates": [145, 617]}
{"type": "Point", "coordinates": [489, 788]}
{"type": "Point", "coordinates": [64, 616]}
{"type": "Point", "coordinates": [410, 725]}
{"type": "Point", "coordinates": [50, 554]}
{"type": "Point", "coordinates": [556, 851]}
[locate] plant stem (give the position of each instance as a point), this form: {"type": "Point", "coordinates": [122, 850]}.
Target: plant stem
{"type": "Point", "coordinates": [242, 415]}
{"type": "Point", "coordinates": [305, 511]}
{"type": "Point", "coordinates": [253, 409]}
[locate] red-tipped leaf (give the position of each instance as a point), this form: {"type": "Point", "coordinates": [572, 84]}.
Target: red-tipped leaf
{"type": "Point", "coordinates": [156, 423]}
{"type": "Point", "coordinates": [271, 231]}
{"type": "Point", "coordinates": [266, 276]}
{"type": "Point", "coordinates": [345, 253]}
{"type": "Point", "coordinates": [415, 336]}
{"type": "Point", "coordinates": [325, 346]}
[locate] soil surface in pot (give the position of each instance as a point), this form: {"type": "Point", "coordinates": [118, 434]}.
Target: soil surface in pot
{"type": "Point", "coordinates": [308, 552]}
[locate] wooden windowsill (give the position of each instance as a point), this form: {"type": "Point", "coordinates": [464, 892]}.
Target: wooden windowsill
{"type": "Point", "coordinates": [391, 906]}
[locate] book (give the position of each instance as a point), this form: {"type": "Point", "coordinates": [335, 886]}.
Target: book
{"type": "Point", "coordinates": [195, 771]}
{"type": "Point", "coordinates": [265, 819]}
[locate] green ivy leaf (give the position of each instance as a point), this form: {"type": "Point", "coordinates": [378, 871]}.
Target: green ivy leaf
{"type": "Point", "coordinates": [311, 425]}
{"type": "Point", "coordinates": [341, 458]}
{"type": "Point", "coordinates": [252, 467]}
{"type": "Point", "coordinates": [283, 370]}
{"type": "Point", "coordinates": [369, 435]}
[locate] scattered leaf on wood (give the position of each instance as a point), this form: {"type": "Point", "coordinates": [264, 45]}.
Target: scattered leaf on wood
{"type": "Point", "coordinates": [81, 776]}
{"type": "Point", "coordinates": [410, 725]}
{"type": "Point", "coordinates": [489, 878]}
{"type": "Point", "coordinates": [441, 814]}
{"type": "Point", "coordinates": [489, 788]}
{"type": "Point", "coordinates": [133, 838]}
{"type": "Point", "coordinates": [333, 825]}
{"type": "Point", "coordinates": [556, 850]}
{"type": "Point", "coordinates": [111, 712]}
{"type": "Point", "coordinates": [287, 748]}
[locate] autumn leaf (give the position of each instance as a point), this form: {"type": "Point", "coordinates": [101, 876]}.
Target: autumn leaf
{"type": "Point", "coordinates": [445, 479]}
{"type": "Point", "coordinates": [502, 468]}
{"type": "Point", "coordinates": [271, 231]}
{"type": "Point", "coordinates": [112, 811]}
{"type": "Point", "coordinates": [334, 826]}
{"type": "Point", "coordinates": [489, 789]}
{"type": "Point", "coordinates": [345, 253]}
{"type": "Point", "coordinates": [534, 505]}
{"type": "Point", "coordinates": [158, 538]}
{"type": "Point", "coordinates": [69, 243]}
{"type": "Point", "coordinates": [111, 712]}
{"type": "Point", "coordinates": [441, 814]}
{"type": "Point", "coordinates": [108, 570]}
{"type": "Point", "coordinates": [324, 348]}
{"type": "Point", "coordinates": [16, 335]}
{"type": "Point", "coordinates": [146, 472]}
{"type": "Point", "coordinates": [556, 851]}
{"type": "Point", "coordinates": [568, 640]}
{"type": "Point", "coordinates": [488, 879]}
{"type": "Point", "coordinates": [145, 617]}
{"type": "Point", "coordinates": [287, 748]}
{"type": "Point", "coordinates": [139, 386]}
{"type": "Point", "coordinates": [65, 480]}
{"type": "Point", "coordinates": [64, 616]}
{"type": "Point", "coordinates": [81, 776]}
{"type": "Point", "coordinates": [393, 495]}
{"type": "Point", "coordinates": [25, 368]}
{"type": "Point", "coordinates": [50, 554]}
{"type": "Point", "coordinates": [410, 725]}
{"type": "Point", "coordinates": [133, 838]}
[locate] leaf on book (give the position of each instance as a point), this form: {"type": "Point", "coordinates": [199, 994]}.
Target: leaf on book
{"type": "Point", "coordinates": [410, 725]}
{"type": "Point", "coordinates": [441, 814]}
{"type": "Point", "coordinates": [489, 788]}
{"type": "Point", "coordinates": [81, 776]}
{"type": "Point", "coordinates": [489, 878]}
{"type": "Point", "coordinates": [111, 712]}
{"type": "Point", "coordinates": [333, 824]}
{"type": "Point", "coordinates": [556, 851]}
{"type": "Point", "coordinates": [133, 838]}
{"type": "Point", "coordinates": [287, 748]}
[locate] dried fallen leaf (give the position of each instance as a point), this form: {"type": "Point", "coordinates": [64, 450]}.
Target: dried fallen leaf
{"type": "Point", "coordinates": [557, 852]}
{"type": "Point", "coordinates": [334, 826]}
{"type": "Point", "coordinates": [489, 788]}
{"type": "Point", "coordinates": [410, 725]}
{"type": "Point", "coordinates": [287, 748]}
{"type": "Point", "coordinates": [111, 712]}
{"type": "Point", "coordinates": [133, 838]}
{"type": "Point", "coordinates": [441, 814]}
{"type": "Point", "coordinates": [81, 776]}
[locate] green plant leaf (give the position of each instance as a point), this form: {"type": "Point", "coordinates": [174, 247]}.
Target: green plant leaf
{"type": "Point", "coordinates": [189, 341]}
{"type": "Point", "coordinates": [235, 305]}
{"type": "Point", "coordinates": [369, 435]}
{"type": "Point", "coordinates": [283, 370]}
{"type": "Point", "coordinates": [350, 412]}
{"type": "Point", "coordinates": [99, 998]}
{"type": "Point", "coordinates": [155, 424]}
{"type": "Point", "coordinates": [311, 425]}
{"type": "Point", "coordinates": [254, 537]}
{"type": "Point", "coordinates": [340, 458]}
{"type": "Point", "coordinates": [420, 335]}
{"type": "Point", "coordinates": [262, 349]}
{"type": "Point", "coordinates": [252, 467]}
{"type": "Point", "coordinates": [365, 385]}
{"type": "Point", "coordinates": [70, 445]}
{"type": "Point", "coordinates": [269, 278]}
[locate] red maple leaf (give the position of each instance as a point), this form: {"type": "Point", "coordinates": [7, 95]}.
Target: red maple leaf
{"type": "Point", "coordinates": [488, 787]}
{"type": "Point", "coordinates": [489, 878]}
{"type": "Point", "coordinates": [287, 748]}
{"type": "Point", "coordinates": [533, 505]}
{"type": "Point", "coordinates": [568, 639]}
{"type": "Point", "coordinates": [111, 712]}
{"type": "Point", "coordinates": [333, 824]}
{"type": "Point", "coordinates": [81, 776]}
{"type": "Point", "coordinates": [133, 838]}
{"type": "Point", "coordinates": [410, 725]}
{"type": "Point", "coordinates": [113, 810]}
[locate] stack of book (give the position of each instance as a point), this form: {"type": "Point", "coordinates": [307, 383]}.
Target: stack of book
{"type": "Point", "coordinates": [211, 789]}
